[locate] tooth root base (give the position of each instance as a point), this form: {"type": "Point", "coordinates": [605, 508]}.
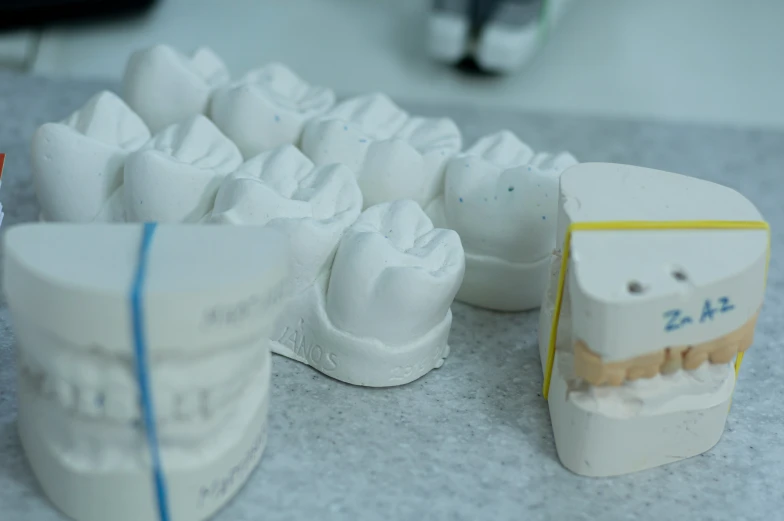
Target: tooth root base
{"type": "Point", "coordinates": [589, 366]}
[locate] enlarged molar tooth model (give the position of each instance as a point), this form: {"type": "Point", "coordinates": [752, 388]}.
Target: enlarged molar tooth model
{"type": "Point", "coordinates": [394, 155]}
{"type": "Point", "coordinates": [78, 163]}
{"type": "Point", "coordinates": [652, 317]}
{"type": "Point", "coordinates": [378, 314]}
{"type": "Point", "coordinates": [394, 276]}
{"type": "Point", "coordinates": [310, 205]}
{"type": "Point", "coordinates": [210, 298]}
{"type": "Point", "coordinates": [267, 108]}
{"type": "Point", "coordinates": [381, 317]}
{"type": "Point", "coordinates": [165, 86]}
{"type": "Point", "coordinates": [502, 199]}
{"type": "Point", "coordinates": [176, 175]}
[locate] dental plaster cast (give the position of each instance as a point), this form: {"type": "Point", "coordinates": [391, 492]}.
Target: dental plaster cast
{"type": "Point", "coordinates": [176, 175]}
{"type": "Point", "coordinates": [78, 163]}
{"type": "Point", "coordinates": [651, 320]}
{"type": "Point", "coordinates": [267, 108]}
{"type": "Point", "coordinates": [394, 155]}
{"type": "Point", "coordinates": [502, 199]}
{"type": "Point", "coordinates": [376, 313]}
{"type": "Point", "coordinates": [207, 313]}
{"type": "Point", "coordinates": [165, 86]}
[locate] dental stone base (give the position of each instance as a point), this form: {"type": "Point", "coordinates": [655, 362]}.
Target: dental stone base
{"type": "Point", "coordinates": [591, 443]}
{"type": "Point", "coordinates": [306, 334]}
{"type": "Point", "coordinates": [196, 488]}
{"type": "Point", "coordinates": [609, 431]}
{"type": "Point", "coordinates": [498, 284]}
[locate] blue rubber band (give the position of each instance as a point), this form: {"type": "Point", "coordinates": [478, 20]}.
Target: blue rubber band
{"type": "Point", "coordinates": [142, 375]}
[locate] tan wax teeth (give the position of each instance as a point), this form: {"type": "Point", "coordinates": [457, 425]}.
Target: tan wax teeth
{"type": "Point", "coordinates": [588, 365]}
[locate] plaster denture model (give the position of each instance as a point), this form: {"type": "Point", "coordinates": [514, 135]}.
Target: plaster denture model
{"type": "Point", "coordinates": [78, 163]}
{"type": "Point", "coordinates": [267, 108]}
{"type": "Point", "coordinates": [337, 320]}
{"type": "Point", "coordinates": [502, 199]}
{"type": "Point", "coordinates": [207, 312]}
{"type": "Point", "coordinates": [165, 86]}
{"type": "Point", "coordinates": [651, 320]}
{"type": "Point", "coordinates": [176, 175]}
{"type": "Point", "coordinates": [394, 155]}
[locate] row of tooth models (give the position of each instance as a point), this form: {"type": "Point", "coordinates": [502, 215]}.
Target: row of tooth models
{"type": "Point", "coordinates": [186, 131]}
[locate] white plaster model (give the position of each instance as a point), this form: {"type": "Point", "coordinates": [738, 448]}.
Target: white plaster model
{"type": "Point", "coordinates": [207, 312]}
{"type": "Point", "coordinates": [394, 155]}
{"type": "Point", "coordinates": [646, 295]}
{"type": "Point", "coordinates": [312, 206]}
{"type": "Point", "coordinates": [267, 108]}
{"type": "Point", "coordinates": [165, 86]}
{"type": "Point", "coordinates": [502, 199]}
{"type": "Point", "coordinates": [176, 175]}
{"type": "Point", "coordinates": [379, 314]}
{"type": "Point", "coordinates": [78, 163]}
{"type": "Point", "coordinates": [388, 301]}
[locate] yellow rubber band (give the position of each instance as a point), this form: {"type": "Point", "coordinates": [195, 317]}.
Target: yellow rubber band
{"type": "Point", "coordinates": [635, 226]}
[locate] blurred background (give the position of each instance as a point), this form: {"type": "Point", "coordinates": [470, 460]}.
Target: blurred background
{"type": "Point", "coordinates": [707, 61]}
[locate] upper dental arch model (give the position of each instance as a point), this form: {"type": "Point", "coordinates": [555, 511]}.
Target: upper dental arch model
{"type": "Point", "coordinates": [386, 222]}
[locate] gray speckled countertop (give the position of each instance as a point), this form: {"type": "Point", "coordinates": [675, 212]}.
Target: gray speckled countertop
{"type": "Point", "coordinates": [471, 440]}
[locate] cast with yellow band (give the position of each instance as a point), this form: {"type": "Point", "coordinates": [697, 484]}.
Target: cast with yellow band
{"type": "Point", "coordinates": [635, 226]}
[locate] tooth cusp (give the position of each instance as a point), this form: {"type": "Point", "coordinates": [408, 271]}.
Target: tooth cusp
{"type": "Point", "coordinates": [312, 205]}
{"type": "Point", "coordinates": [394, 276]}
{"type": "Point", "coordinates": [176, 176]}
{"type": "Point", "coordinates": [503, 200]}
{"type": "Point", "coordinates": [78, 164]}
{"type": "Point", "coordinates": [267, 108]}
{"type": "Point", "coordinates": [164, 86]}
{"type": "Point", "coordinates": [394, 156]}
